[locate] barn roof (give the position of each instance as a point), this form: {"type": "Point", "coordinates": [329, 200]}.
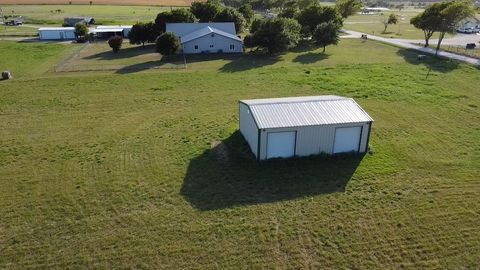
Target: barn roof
{"type": "Point", "coordinates": [305, 111]}
{"type": "Point", "coordinates": [55, 28]}
{"type": "Point", "coordinates": [183, 29]}
{"type": "Point", "coordinates": [206, 31]}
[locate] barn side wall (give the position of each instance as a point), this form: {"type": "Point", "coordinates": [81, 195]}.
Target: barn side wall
{"type": "Point", "coordinates": [55, 34]}
{"type": "Point", "coordinates": [248, 128]}
{"type": "Point", "coordinates": [314, 140]}
{"type": "Point", "coordinates": [219, 42]}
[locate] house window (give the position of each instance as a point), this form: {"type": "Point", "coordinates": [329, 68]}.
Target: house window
{"type": "Point", "coordinates": [211, 45]}
{"type": "Point", "coordinates": [213, 35]}
{"type": "Point", "coordinates": [232, 47]}
{"type": "Point", "coordinates": [195, 47]}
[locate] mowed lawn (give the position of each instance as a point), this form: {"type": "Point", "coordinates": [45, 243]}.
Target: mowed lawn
{"type": "Point", "coordinates": [107, 170]}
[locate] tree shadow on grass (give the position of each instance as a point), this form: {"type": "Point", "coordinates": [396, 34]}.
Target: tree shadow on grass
{"type": "Point", "coordinates": [228, 175]}
{"type": "Point", "coordinates": [155, 64]}
{"type": "Point", "coordinates": [310, 58]}
{"type": "Point", "coordinates": [431, 61]}
{"type": "Point", "coordinates": [123, 53]}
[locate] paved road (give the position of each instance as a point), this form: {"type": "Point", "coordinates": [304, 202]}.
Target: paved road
{"type": "Point", "coordinates": [408, 45]}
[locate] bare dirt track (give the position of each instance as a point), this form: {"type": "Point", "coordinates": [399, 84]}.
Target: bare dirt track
{"type": "Point", "coordinates": [100, 2]}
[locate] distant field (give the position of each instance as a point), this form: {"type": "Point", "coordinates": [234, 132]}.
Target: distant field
{"type": "Point", "coordinates": [101, 2]}
{"type": "Point", "coordinates": [372, 24]}
{"type": "Point", "coordinates": [116, 170]}
{"type": "Point", "coordinates": [103, 14]}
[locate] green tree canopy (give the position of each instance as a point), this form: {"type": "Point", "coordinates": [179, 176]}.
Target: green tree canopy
{"type": "Point", "coordinates": [181, 15]}
{"type": "Point", "coordinates": [231, 15]}
{"type": "Point", "coordinates": [205, 11]}
{"type": "Point", "coordinates": [142, 32]}
{"type": "Point", "coordinates": [347, 8]}
{"type": "Point", "coordinates": [450, 16]}
{"type": "Point", "coordinates": [312, 16]}
{"type": "Point", "coordinates": [247, 12]}
{"type": "Point", "coordinates": [167, 44]}
{"type": "Point", "coordinates": [81, 30]}
{"type": "Point", "coordinates": [391, 19]}
{"type": "Point", "coordinates": [277, 35]}
{"type": "Point", "coordinates": [326, 34]}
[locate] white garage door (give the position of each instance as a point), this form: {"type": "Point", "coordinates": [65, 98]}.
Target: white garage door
{"type": "Point", "coordinates": [347, 139]}
{"type": "Point", "coordinates": [281, 144]}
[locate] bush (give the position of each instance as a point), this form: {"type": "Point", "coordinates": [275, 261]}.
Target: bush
{"type": "Point", "coordinates": [167, 44]}
{"type": "Point", "coordinates": [115, 43]}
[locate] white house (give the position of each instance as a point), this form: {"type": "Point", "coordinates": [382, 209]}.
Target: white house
{"type": "Point", "coordinates": [56, 33]}
{"type": "Point", "coordinates": [207, 37]}
{"type": "Point", "coordinates": [304, 126]}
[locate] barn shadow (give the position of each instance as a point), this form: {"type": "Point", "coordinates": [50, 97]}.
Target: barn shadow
{"type": "Point", "coordinates": [431, 61]}
{"type": "Point", "coordinates": [123, 53]}
{"type": "Point", "coordinates": [227, 175]}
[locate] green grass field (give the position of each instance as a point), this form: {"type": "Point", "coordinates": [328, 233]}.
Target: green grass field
{"type": "Point", "coordinates": [372, 24]}
{"type": "Point", "coordinates": [103, 14]}
{"type": "Point", "coordinates": [109, 170]}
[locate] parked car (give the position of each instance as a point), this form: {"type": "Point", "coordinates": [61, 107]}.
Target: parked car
{"type": "Point", "coordinates": [14, 22]}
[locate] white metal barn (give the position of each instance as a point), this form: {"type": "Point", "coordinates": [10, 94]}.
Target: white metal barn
{"type": "Point", "coordinates": [56, 33]}
{"type": "Point", "coordinates": [304, 126]}
{"type": "Point", "coordinates": [207, 37]}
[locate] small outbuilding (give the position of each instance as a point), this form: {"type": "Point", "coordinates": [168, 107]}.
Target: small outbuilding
{"type": "Point", "coordinates": [207, 37]}
{"type": "Point", "coordinates": [304, 126]}
{"type": "Point", "coordinates": [56, 33]}
{"type": "Point", "coordinates": [106, 31]}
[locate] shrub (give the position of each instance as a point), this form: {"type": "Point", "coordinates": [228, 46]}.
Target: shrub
{"type": "Point", "coordinates": [115, 42]}
{"type": "Point", "coordinates": [167, 44]}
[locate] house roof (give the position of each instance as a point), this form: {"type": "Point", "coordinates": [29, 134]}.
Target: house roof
{"type": "Point", "coordinates": [206, 31]}
{"type": "Point", "coordinates": [113, 26]}
{"type": "Point", "coordinates": [56, 28]}
{"type": "Point", "coordinates": [183, 29]}
{"type": "Point", "coordinates": [305, 111]}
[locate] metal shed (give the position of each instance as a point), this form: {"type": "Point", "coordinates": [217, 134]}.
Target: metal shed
{"type": "Point", "coordinates": [56, 33]}
{"type": "Point", "coordinates": [304, 126]}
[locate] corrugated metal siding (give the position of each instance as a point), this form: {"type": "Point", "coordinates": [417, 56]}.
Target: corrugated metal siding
{"type": "Point", "coordinates": [248, 128]}
{"type": "Point", "coordinates": [308, 113]}
{"type": "Point", "coordinates": [314, 140]}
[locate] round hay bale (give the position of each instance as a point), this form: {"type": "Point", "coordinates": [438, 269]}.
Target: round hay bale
{"type": "Point", "coordinates": [6, 75]}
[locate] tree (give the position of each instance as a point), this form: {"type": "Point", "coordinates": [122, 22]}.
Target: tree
{"type": "Point", "coordinates": [205, 11]}
{"type": "Point", "coordinates": [428, 20]}
{"type": "Point", "coordinates": [326, 34]}
{"type": "Point", "coordinates": [167, 44]}
{"type": "Point", "coordinates": [310, 17]}
{"type": "Point", "coordinates": [81, 31]}
{"type": "Point", "coordinates": [138, 34]}
{"type": "Point", "coordinates": [247, 12]}
{"type": "Point", "coordinates": [115, 42]}
{"type": "Point", "coordinates": [277, 35]}
{"type": "Point", "coordinates": [256, 24]}
{"type": "Point", "coordinates": [391, 19]}
{"type": "Point", "coordinates": [347, 8]}
{"type": "Point", "coordinates": [231, 15]}
{"type": "Point", "coordinates": [249, 41]}
{"type": "Point", "coordinates": [450, 16]}
{"type": "Point", "coordinates": [180, 15]}
{"type": "Point", "coordinates": [289, 12]}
